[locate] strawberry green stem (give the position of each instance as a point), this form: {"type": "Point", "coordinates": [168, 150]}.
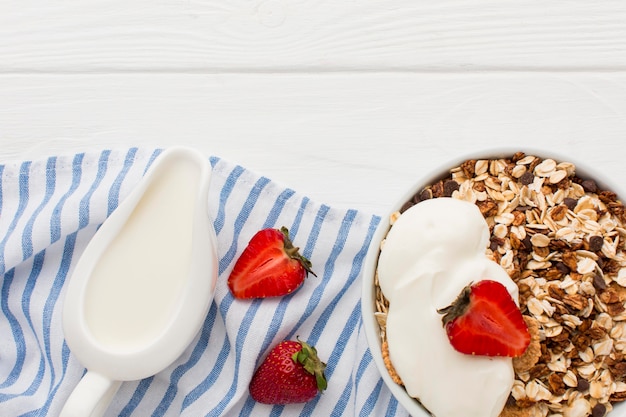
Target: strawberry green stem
{"type": "Point", "coordinates": [458, 307]}
{"type": "Point", "coordinates": [294, 251]}
{"type": "Point", "coordinates": [307, 357]}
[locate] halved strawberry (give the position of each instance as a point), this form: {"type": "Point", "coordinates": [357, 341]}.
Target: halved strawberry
{"type": "Point", "coordinates": [269, 266]}
{"type": "Point", "coordinates": [484, 320]}
{"type": "Point", "coordinates": [291, 373]}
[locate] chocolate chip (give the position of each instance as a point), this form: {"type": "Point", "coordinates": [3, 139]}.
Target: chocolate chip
{"type": "Point", "coordinates": [598, 282]}
{"type": "Point", "coordinates": [583, 385]}
{"type": "Point", "coordinates": [426, 194]}
{"type": "Point", "coordinates": [527, 178]}
{"type": "Point", "coordinates": [570, 202]}
{"type": "Point", "coordinates": [600, 262]}
{"type": "Point", "coordinates": [595, 243]}
{"type": "Point", "coordinates": [449, 187]}
{"type": "Point", "coordinates": [406, 206]}
{"type": "Point", "coordinates": [495, 242]}
{"type": "Point", "coordinates": [589, 186]}
{"type": "Point", "coordinates": [510, 401]}
{"type": "Point", "coordinates": [598, 410]}
{"type": "Point", "coordinates": [564, 269]}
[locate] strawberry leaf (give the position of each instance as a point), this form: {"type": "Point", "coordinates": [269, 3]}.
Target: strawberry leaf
{"type": "Point", "coordinates": [308, 358]}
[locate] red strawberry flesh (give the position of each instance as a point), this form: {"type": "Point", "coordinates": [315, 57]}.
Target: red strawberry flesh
{"type": "Point", "coordinates": [484, 320]}
{"type": "Point", "coordinates": [269, 266]}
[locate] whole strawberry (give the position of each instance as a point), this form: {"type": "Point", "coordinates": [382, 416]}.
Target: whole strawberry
{"type": "Point", "coordinates": [484, 320]}
{"type": "Point", "coordinates": [291, 373]}
{"type": "Point", "coordinates": [269, 266]}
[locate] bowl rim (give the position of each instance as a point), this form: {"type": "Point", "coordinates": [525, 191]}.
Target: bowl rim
{"type": "Point", "coordinates": [370, 324]}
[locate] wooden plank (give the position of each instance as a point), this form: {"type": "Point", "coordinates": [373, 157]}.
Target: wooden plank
{"type": "Point", "coordinates": [301, 35]}
{"type": "Point", "coordinates": [351, 140]}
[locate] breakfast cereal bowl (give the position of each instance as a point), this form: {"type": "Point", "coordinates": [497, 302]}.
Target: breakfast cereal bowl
{"type": "Point", "coordinates": [555, 230]}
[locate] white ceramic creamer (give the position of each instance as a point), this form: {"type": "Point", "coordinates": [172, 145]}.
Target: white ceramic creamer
{"type": "Point", "coordinates": [141, 290]}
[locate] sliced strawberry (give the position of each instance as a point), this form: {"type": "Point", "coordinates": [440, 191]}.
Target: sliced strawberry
{"type": "Point", "coordinates": [291, 373]}
{"type": "Point", "coordinates": [269, 266]}
{"type": "Point", "coordinates": [484, 320]}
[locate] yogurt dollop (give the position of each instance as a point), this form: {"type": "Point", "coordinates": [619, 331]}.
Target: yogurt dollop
{"type": "Point", "coordinates": [434, 250]}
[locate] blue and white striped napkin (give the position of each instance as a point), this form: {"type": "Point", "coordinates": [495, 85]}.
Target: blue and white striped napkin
{"type": "Point", "coordinates": [49, 210]}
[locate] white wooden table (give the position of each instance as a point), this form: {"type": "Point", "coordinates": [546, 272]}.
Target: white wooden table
{"type": "Point", "coordinates": [347, 102]}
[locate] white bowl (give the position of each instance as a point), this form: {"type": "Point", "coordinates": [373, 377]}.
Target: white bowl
{"type": "Point", "coordinates": [372, 329]}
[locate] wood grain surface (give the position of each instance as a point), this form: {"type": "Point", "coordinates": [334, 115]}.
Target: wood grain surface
{"type": "Point", "coordinates": [351, 140]}
{"type": "Point", "coordinates": [348, 102]}
{"type": "Point", "coordinates": [307, 35]}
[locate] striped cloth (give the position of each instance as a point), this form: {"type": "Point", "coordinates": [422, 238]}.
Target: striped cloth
{"type": "Point", "coordinates": [49, 210]}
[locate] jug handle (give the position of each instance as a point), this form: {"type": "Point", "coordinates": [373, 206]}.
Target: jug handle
{"type": "Point", "coordinates": [91, 397]}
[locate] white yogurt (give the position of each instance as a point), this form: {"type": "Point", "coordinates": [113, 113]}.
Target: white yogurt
{"type": "Point", "coordinates": [431, 253]}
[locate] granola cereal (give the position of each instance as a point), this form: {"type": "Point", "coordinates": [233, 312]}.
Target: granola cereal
{"type": "Point", "coordinates": [561, 238]}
